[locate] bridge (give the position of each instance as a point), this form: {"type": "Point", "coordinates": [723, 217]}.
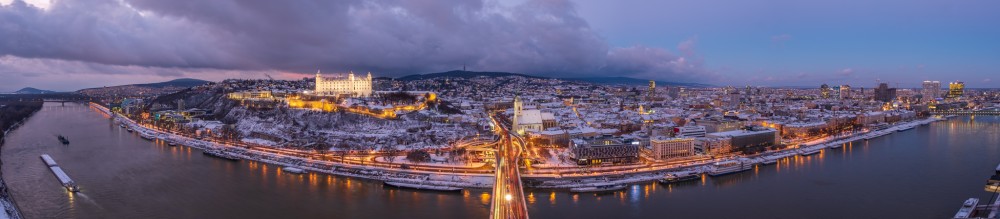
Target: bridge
{"type": "Point", "coordinates": [508, 193]}
{"type": "Point", "coordinates": [64, 101]}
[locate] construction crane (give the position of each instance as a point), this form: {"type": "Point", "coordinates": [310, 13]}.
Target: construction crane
{"type": "Point", "coordinates": [269, 77]}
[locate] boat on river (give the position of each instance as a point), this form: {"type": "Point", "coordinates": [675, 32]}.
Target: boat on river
{"type": "Point", "coordinates": [809, 151]}
{"type": "Point", "coordinates": [291, 169]}
{"type": "Point", "coordinates": [598, 189]}
{"type": "Point", "coordinates": [220, 154]}
{"type": "Point", "coordinates": [905, 127]}
{"type": "Point", "coordinates": [968, 207]}
{"type": "Point", "coordinates": [406, 185]}
{"type": "Point", "coordinates": [679, 177]}
{"type": "Point", "coordinates": [63, 140]}
{"type": "Point", "coordinates": [727, 167]}
{"type": "Point", "coordinates": [60, 174]}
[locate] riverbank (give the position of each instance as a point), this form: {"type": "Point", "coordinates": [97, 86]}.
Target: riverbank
{"type": "Point", "coordinates": [11, 117]}
{"type": "Point", "coordinates": [464, 180]}
{"type": "Point", "coordinates": [545, 179]}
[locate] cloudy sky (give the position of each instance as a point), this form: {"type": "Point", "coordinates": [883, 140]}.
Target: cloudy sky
{"type": "Point", "coordinates": [71, 44]}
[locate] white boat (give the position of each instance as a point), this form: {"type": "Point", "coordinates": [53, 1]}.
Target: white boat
{"type": "Point", "coordinates": [838, 145]}
{"type": "Point", "coordinates": [421, 186]}
{"type": "Point", "coordinates": [602, 188]}
{"type": "Point", "coordinates": [771, 159]}
{"type": "Point", "coordinates": [967, 208]}
{"type": "Point", "coordinates": [727, 167]}
{"type": "Point", "coordinates": [294, 170]}
{"type": "Point", "coordinates": [905, 127]}
{"type": "Point", "coordinates": [809, 151]}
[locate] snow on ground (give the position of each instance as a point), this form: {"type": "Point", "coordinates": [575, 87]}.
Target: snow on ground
{"type": "Point", "coordinates": [259, 141]}
{"type": "Point", "coordinates": [403, 160]}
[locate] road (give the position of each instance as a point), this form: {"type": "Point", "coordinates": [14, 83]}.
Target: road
{"type": "Point", "coordinates": [508, 193]}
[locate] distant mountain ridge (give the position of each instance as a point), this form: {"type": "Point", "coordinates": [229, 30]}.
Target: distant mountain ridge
{"type": "Point", "coordinates": [462, 74]}
{"type": "Point", "coordinates": [182, 82]}
{"type": "Point", "coordinates": [31, 90]}
{"type": "Point", "coordinates": [633, 81]}
{"type": "Point", "coordinates": [595, 80]}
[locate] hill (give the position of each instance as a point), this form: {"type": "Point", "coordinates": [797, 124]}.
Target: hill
{"type": "Point", "coordinates": [150, 89]}
{"type": "Point", "coordinates": [596, 80]}
{"type": "Point", "coordinates": [633, 81]}
{"type": "Point", "coordinates": [462, 74]}
{"type": "Point", "coordinates": [183, 82]}
{"type": "Point", "coordinates": [31, 90]}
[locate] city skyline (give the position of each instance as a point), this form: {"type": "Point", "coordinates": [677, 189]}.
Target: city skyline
{"type": "Point", "coordinates": [784, 44]}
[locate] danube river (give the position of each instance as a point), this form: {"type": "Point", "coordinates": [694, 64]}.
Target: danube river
{"type": "Point", "coordinates": [922, 173]}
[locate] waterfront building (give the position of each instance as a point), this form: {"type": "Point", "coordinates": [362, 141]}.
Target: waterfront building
{"type": "Point", "coordinates": [803, 129]}
{"type": "Point", "coordinates": [752, 140]}
{"type": "Point", "coordinates": [871, 118]}
{"type": "Point", "coordinates": [603, 150]}
{"type": "Point", "coordinates": [884, 93]}
{"type": "Point", "coordinates": [956, 89]}
{"type": "Point", "coordinates": [664, 148]}
{"type": "Point", "coordinates": [714, 145]}
{"type": "Point", "coordinates": [931, 90]}
{"type": "Point", "coordinates": [350, 85]}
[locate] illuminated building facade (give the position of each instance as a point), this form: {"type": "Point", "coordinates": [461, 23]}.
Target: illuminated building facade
{"type": "Point", "coordinates": [956, 89]}
{"type": "Point", "coordinates": [663, 148]}
{"type": "Point", "coordinates": [350, 85]}
{"type": "Point", "coordinates": [845, 91]}
{"type": "Point", "coordinates": [824, 91]}
{"type": "Point", "coordinates": [603, 150]}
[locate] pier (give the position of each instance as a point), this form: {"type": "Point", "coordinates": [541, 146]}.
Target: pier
{"type": "Point", "coordinates": [63, 178]}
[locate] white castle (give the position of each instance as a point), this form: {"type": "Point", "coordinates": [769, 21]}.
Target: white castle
{"type": "Point", "coordinates": [351, 85]}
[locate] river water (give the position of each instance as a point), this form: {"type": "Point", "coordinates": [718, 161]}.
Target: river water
{"type": "Point", "coordinates": [922, 173]}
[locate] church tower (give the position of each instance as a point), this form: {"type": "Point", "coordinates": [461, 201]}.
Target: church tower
{"type": "Point", "coordinates": [517, 111]}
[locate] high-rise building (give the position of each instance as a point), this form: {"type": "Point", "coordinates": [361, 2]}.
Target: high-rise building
{"type": "Point", "coordinates": [652, 90]}
{"type": "Point", "coordinates": [931, 90]}
{"type": "Point", "coordinates": [884, 93]}
{"type": "Point", "coordinates": [956, 89]}
{"type": "Point", "coordinates": [825, 90]}
{"type": "Point", "coordinates": [350, 85]}
{"type": "Point", "coordinates": [845, 91]}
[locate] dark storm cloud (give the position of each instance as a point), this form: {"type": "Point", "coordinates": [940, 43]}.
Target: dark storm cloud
{"type": "Point", "coordinates": [387, 37]}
